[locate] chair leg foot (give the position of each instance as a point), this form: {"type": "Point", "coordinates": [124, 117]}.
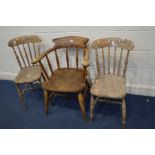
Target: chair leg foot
{"type": "Point", "coordinates": [82, 105]}
{"type": "Point", "coordinates": [21, 98]}
{"type": "Point", "coordinates": [46, 100]}
{"type": "Point", "coordinates": [123, 113]}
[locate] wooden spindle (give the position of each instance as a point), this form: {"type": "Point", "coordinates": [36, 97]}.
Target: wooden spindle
{"type": "Point", "coordinates": [44, 70]}
{"type": "Point", "coordinates": [77, 58]}
{"type": "Point", "coordinates": [21, 55]}
{"type": "Point", "coordinates": [26, 54]}
{"type": "Point", "coordinates": [67, 58]}
{"type": "Point", "coordinates": [43, 76]}
{"type": "Point", "coordinates": [103, 62]}
{"type": "Point", "coordinates": [49, 64]}
{"type": "Point", "coordinates": [120, 59]}
{"type": "Point", "coordinates": [38, 49]}
{"type": "Point", "coordinates": [35, 53]}
{"type": "Point", "coordinates": [126, 63]}
{"type": "Point", "coordinates": [30, 52]}
{"type": "Point", "coordinates": [17, 58]}
{"type": "Point", "coordinates": [108, 59]}
{"type": "Point", "coordinates": [57, 59]}
{"type": "Point", "coordinates": [97, 62]}
{"type": "Point", "coordinates": [114, 60]}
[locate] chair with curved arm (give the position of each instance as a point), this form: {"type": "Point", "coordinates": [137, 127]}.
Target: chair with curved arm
{"type": "Point", "coordinates": [25, 49]}
{"type": "Point", "coordinates": [65, 79]}
{"type": "Point", "coordinates": [111, 62]}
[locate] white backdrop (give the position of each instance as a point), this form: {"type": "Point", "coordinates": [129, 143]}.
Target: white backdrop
{"type": "Point", "coordinates": [141, 68]}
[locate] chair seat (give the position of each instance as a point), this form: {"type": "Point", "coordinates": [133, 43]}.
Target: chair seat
{"type": "Point", "coordinates": [28, 75]}
{"type": "Point", "coordinates": [65, 80]}
{"type": "Point", "coordinates": [109, 86]}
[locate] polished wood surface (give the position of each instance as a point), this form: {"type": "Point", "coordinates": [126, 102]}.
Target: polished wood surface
{"type": "Point", "coordinates": [111, 70]}
{"type": "Point", "coordinates": [65, 79]}
{"type": "Point", "coordinates": [25, 49]}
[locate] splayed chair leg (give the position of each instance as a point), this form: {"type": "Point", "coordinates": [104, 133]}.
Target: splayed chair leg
{"type": "Point", "coordinates": [46, 100]}
{"type": "Point", "coordinates": [21, 97]}
{"type": "Point", "coordinates": [92, 105]}
{"type": "Point", "coordinates": [82, 105]}
{"type": "Point", "coordinates": [123, 113]}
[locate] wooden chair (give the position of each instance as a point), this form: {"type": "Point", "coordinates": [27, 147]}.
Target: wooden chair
{"type": "Point", "coordinates": [110, 84]}
{"type": "Point", "coordinates": [65, 79]}
{"type": "Point", "coordinates": [25, 49]}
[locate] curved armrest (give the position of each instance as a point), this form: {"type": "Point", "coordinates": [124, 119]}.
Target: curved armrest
{"type": "Point", "coordinates": [85, 61]}
{"type": "Point", "coordinates": [42, 55]}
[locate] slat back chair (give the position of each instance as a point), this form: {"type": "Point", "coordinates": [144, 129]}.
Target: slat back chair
{"type": "Point", "coordinates": [25, 49]}
{"type": "Point", "coordinates": [111, 63]}
{"type": "Point", "coordinates": [65, 79]}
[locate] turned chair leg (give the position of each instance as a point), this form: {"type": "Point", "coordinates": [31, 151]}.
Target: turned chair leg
{"type": "Point", "coordinates": [82, 105]}
{"type": "Point", "coordinates": [46, 100]}
{"type": "Point", "coordinates": [21, 96]}
{"type": "Point", "coordinates": [92, 105]}
{"type": "Point", "coordinates": [123, 113]}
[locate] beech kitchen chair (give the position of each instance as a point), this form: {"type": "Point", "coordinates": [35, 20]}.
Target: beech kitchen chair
{"type": "Point", "coordinates": [60, 77]}
{"type": "Point", "coordinates": [25, 49]}
{"type": "Point", "coordinates": [110, 84]}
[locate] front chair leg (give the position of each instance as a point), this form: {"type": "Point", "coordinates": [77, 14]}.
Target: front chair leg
{"type": "Point", "coordinates": [82, 105]}
{"type": "Point", "coordinates": [92, 105]}
{"type": "Point", "coordinates": [123, 113]}
{"type": "Point", "coordinates": [21, 96]}
{"type": "Point", "coordinates": [46, 100]}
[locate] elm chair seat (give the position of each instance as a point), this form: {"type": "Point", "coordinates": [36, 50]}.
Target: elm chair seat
{"type": "Point", "coordinates": [65, 80]}
{"type": "Point", "coordinates": [28, 75]}
{"type": "Point", "coordinates": [109, 86]}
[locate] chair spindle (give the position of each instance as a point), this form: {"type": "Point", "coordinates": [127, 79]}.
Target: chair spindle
{"type": "Point", "coordinates": [21, 55]}
{"type": "Point", "coordinates": [126, 63]}
{"type": "Point", "coordinates": [120, 59]}
{"type": "Point", "coordinates": [97, 62]}
{"type": "Point", "coordinates": [67, 58]}
{"type": "Point", "coordinates": [26, 55]}
{"type": "Point", "coordinates": [77, 59]}
{"type": "Point", "coordinates": [57, 59]}
{"type": "Point", "coordinates": [17, 58]}
{"type": "Point", "coordinates": [49, 64]}
{"type": "Point", "coordinates": [103, 62]}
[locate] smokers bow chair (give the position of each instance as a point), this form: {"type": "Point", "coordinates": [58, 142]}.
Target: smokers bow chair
{"type": "Point", "coordinates": [25, 49]}
{"type": "Point", "coordinates": [111, 62]}
{"type": "Point", "coordinates": [60, 76]}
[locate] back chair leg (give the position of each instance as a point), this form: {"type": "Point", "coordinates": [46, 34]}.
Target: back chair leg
{"type": "Point", "coordinates": [123, 113]}
{"type": "Point", "coordinates": [46, 100]}
{"type": "Point", "coordinates": [82, 105]}
{"type": "Point", "coordinates": [21, 96]}
{"type": "Point", "coordinates": [92, 105]}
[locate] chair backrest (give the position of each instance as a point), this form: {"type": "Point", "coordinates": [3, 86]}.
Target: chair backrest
{"type": "Point", "coordinates": [112, 55]}
{"type": "Point", "coordinates": [25, 49]}
{"type": "Point", "coordinates": [63, 46]}
{"type": "Point", "coordinates": [72, 43]}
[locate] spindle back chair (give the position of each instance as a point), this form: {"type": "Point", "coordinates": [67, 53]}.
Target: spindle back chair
{"type": "Point", "coordinates": [111, 62]}
{"type": "Point", "coordinates": [64, 79]}
{"type": "Point", "coordinates": [25, 49]}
